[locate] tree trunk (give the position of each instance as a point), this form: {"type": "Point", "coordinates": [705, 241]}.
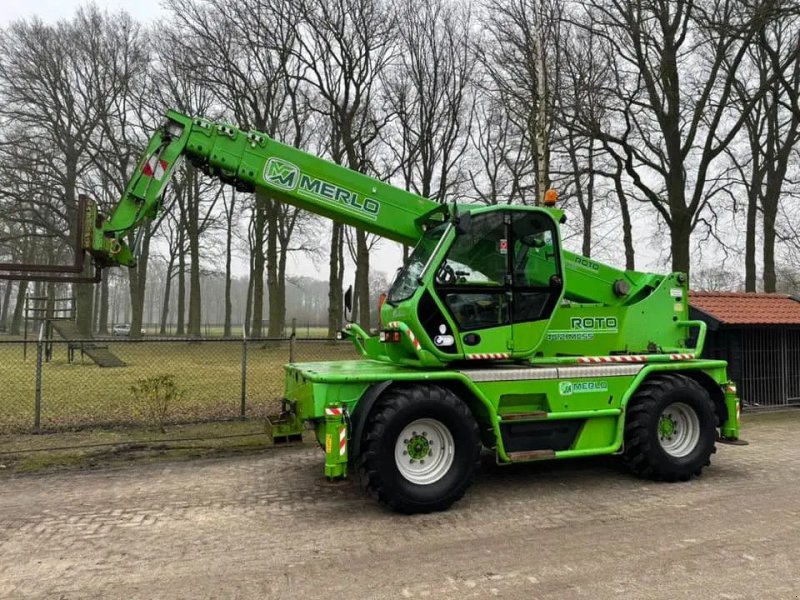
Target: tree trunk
{"type": "Point", "coordinates": [228, 239]}
{"type": "Point", "coordinates": [280, 296]}
{"type": "Point", "coordinates": [627, 226]}
{"type": "Point", "coordinates": [180, 328]}
{"type": "Point", "coordinates": [770, 215]}
{"type": "Point", "coordinates": [362, 280]}
{"type": "Point", "coordinates": [257, 276]}
{"type": "Point", "coordinates": [96, 309]}
{"type": "Point", "coordinates": [680, 228]}
{"type": "Point", "coordinates": [51, 301]}
{"type": "Point", "coordinates": [543, 119]}
{"type": "Point", "coordinates": [750, 244]}
{"type": "Point", "coordinates": [102, 326]}
{"type": "Point", "coordinates": [167, 290]}
{"type": "Point", "coordinates": [588, 219]}
{"type": "Point", "coordinates": [336, 267]}
{"type": "Point", "coordinates": [276, 304]}
{"type": "Point", "coordinates": [193, 231]}
{"type": "Point", "coordinates": [19, 308]}
{"type": "Point", "coordinates": [248, 303]}
{"type": "Point", "coordinates": [6, 300]}
{"type": "Point", "coordinates": [627, 234]}
{"type": "Point", "coordinates": [778, 167]}
{"type": "Point", "coordinates": [137, 278]}
{"type": "Point", "coordinates": [679, 243]}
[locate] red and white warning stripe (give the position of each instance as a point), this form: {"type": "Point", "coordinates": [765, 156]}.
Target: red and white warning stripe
{"type": "Point", "coordinates": [628, 358]}
{"type": "Point", "coordinates": [342, 441]}
{"type": "Point", "coordinates": [622, 358]}
{"type": "Point", "coordinates": [489, 356]}
{"type": "Point", "coordinates": [413, 338]}
{"type": "Point", "coordinates": [333, 412]}
{"type": "Point", "coordinates": [155, 168]}
{"type": "Point", "coordinates": [405, 328]}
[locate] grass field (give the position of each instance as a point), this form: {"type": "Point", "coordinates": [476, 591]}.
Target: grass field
{"type": "Point", "coordinates": [209, 373]}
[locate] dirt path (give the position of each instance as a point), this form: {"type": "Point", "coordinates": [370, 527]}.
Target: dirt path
{"type": "Point", "coordinates": [269, 526]}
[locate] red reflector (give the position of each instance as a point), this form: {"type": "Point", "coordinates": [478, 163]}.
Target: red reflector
{"type": "Point", "coordinates": [381, 300]}
{"type": "Point", "coordinates": [391, 337]}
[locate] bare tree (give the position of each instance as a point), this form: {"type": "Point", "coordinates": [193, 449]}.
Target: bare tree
{"type": "Point", "coordinates": [243, 51]}
{"type": "Point", "coordinates": [58, 82]}
{"type": "Point", "coordinates": [504, 168]}
{"type": "Point", "coordinates": [668, 115]}
{"type": "Point", "coordinates": [582, 78]}
{"type": "Point", "coordinates": [429, 94]}
{"type": "Point", "coordinates": [344, 47]}
{"type": "Point", "coordinates": [521, 55]}
{"type": "Point", "coordinates": [768, 98]}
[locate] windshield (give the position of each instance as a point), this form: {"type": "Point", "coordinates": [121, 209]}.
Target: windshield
{"type": "Point", "coordinates": [408, 278]}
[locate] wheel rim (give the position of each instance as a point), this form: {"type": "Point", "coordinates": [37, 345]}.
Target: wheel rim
{"type": "Point", "coordinates": [424, 451]}
{"type": "Point", "coordinates": [678, 429]}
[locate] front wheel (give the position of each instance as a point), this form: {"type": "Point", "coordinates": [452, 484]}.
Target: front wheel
{"type": "Point", "coordinates": [420, 449]}
{"type": "Point", "coordinates": [670, 429]}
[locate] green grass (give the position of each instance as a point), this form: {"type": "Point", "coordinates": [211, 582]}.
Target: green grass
{"type": "Point", "coordinates": [210, 373]}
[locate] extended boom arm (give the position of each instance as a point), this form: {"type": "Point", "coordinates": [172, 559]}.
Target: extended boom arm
{"type": "Point", "coordinates": [252, 161]}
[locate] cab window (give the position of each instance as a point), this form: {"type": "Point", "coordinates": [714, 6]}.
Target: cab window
{"type": "Point", "coordinates": [472, 278]}
{"type": "Point", "coordinates": [503, 270]}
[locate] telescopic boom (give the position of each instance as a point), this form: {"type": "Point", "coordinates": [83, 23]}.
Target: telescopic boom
{"type": "Point", "coordinates": [252, 161]}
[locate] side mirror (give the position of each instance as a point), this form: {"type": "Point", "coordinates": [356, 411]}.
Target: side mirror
{"type": "Point", "coordinates": [348, 303]}
{"type": "Point", "coordinates": [463, 223]}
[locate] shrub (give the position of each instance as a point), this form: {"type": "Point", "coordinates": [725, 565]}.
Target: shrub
{"type": "Point", "coordinates": [155, 397]}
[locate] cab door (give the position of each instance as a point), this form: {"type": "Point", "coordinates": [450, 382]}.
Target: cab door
{"type": "Point", "coordinates": [500, 282]}
{"type": "Point", "coordinates": [536, 277]}
{"type": "Point", "coordinates": [473, 282]}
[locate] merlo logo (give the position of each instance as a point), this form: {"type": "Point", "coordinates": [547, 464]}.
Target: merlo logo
{"type": "Point", "coordinates": [281, 174]}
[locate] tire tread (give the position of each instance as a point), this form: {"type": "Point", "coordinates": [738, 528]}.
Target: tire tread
{"type": "Point", "coordinates": [382, 414]}
{"type": "Point", "coordinates": [640, 454]}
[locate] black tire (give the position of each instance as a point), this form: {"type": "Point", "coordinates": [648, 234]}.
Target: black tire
{"type": "Point", "coordinates": [376, 465]}
{"type": "Point", "coordinates": [644, 453]}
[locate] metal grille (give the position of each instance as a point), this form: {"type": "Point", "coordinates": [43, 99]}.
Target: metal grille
{"type": "Point", "coordinates": [770, 367]}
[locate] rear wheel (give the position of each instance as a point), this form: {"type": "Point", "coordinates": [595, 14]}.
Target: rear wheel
{"type": "Point", "coordinates": [420, 449]}
{"type": "Point", "coordinates": [670, 429]}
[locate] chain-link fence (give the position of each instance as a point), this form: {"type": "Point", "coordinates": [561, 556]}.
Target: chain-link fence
{"type": "Point", "coordinates": [60, 385]}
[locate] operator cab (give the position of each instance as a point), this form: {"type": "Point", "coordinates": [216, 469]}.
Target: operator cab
{"type": "Point", "coordinates": [485, 284]}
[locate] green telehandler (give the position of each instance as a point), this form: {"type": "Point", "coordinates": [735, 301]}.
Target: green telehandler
{"type": "Point", "coordinates": [491, 335]}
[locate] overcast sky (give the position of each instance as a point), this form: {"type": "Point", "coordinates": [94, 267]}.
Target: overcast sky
{"type": "Point", "coordinates": [51, 10]}
{"type": "Point", "coordinates": [388, 256]}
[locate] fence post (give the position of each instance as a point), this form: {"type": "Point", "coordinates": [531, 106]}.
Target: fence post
{"type": "Point", "coordinates": [37, 406]}
{"type": "Point", "coordinates": [25, 334]}
{"type": "Point", "coordinates": [243, 408]}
